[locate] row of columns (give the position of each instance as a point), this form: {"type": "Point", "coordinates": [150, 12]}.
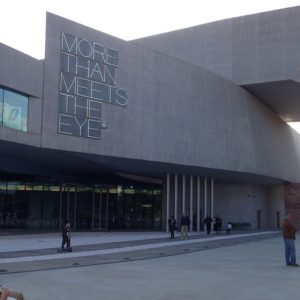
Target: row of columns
{"type": "Point", "coordinates": [207, 209]}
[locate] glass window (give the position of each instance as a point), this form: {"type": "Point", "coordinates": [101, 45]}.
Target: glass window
{"type": "Point", "coordinates": [84, 207]}
{"type": "Point", "coordinates": [1, 107]}
{"type": "Point", "coordinates": [15, 110]}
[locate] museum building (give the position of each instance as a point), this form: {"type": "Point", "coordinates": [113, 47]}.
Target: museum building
{"type": "Point", "coordinates": [120, 135]}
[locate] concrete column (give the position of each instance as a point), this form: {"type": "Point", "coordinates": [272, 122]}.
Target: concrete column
{"type": "Point", "coordinates": [212, 196]}
{"type": "Point", "coordinates": [191, 203]}
{"type": "Point", "coordinates": [183, 193]}
{"type": "Point", "coordinates": [75, 209]}
{"type": "Point", "coordinates": [106, 212]}
{"type": "Point", "coordinates": [168, 202]}
{"type": "Point", "coordinates": [100, 208]}
{"type": "Point", "coordinates": [60, 207]}
{"type": "Point", "coordinates": [93, 209]}
{"type": "Point", "coordinates": [176, 198]}
{"type": "Point", "coordinates": [205, 197]}
{"type": "Point", "coordinates": [198, 204]}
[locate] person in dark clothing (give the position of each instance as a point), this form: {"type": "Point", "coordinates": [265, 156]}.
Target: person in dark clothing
{"type": "Point", "coordinates": [207, 222]}
{"type": "Point", "coordinates": [172, 226]}
{"type": "Point", "coordinates": [66, 237]}
{"type": "Point", "coordinates": [214, 222]}
{"type": "Point", "coordinates": [219, 224]}
{"type": "Point", "coordinates": [185, 224]}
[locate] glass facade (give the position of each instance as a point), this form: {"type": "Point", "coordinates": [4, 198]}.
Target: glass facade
{"type": "Point", "coordinates": [13, 110]}
{"type": "Point", "coordinates": [38, 207]}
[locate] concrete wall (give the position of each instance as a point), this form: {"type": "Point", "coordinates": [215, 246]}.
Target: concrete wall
{"type": "Point", "coordinates": [277, 206]}
{"type": "Point", "coordinates": [23, 73]}
{"type": "Point", "coordinates": [230, 198]}
{"type": "Point", "coordinates": [256, 48]}
{"type": "Point", "coordinates": [292, 201]}
{"type": "Point", "coordinates": [234, 202]}
{"type": "Point", "coordinates": [240, 203]}
{"type": "Point", "coordinates": [177, 113]}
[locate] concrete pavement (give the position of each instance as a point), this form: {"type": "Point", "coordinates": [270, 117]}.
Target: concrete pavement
{"type": "Point", "coordinates": [249, 269]}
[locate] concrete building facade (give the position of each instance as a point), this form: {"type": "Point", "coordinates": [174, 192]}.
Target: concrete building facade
{"type": "Point", "coordinates": [123, 134]}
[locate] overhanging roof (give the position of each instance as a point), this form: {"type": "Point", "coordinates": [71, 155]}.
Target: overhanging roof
{"type": "Point", "coordinates": [41, 164]}
{"type": "Point", "coordinates": [282, 97]}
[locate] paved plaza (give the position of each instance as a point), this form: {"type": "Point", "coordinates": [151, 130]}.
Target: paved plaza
{"type": "Point", "coordinates": [142, 266]}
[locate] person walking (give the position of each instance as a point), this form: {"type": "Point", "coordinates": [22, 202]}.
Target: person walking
{"type": "Point", "coordinates": [172, 226]}
{"type": "Point", "coordinates": [207, 221]}
{"type": "Point", "coordinates": [185, 224]}
{"type": "Point", "coordinates": [66, 237]}
{"type": "Point", "coordinates": [288, 232]}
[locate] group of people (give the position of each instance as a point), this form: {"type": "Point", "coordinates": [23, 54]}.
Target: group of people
{"type": "Point", "coordinates": [185, 225]}
{"type": "Point", "coordinates": [217, 224]}
{"type": "Point", "coordinates": [288, 232]}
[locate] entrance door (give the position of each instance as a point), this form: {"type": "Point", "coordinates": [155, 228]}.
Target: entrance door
{"type": "Point", "coordinates": [258, 219]}
{"type": "Point", "coordinates": [278, 219]}
{"type": "Point", "coordinates": [99, 206]}
{"type": "Point", "coordinates": [68, 205]}
{"type": "Point", "coordinates": [100, 211]}
{"type": "Point", "coordinates": [96, 212]}
{"type": "Point", "coordinates": [84, 208]}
